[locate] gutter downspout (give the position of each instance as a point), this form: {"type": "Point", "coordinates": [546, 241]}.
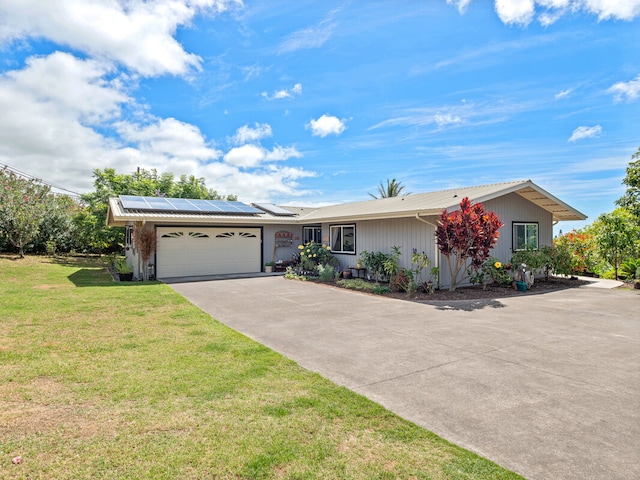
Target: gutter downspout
{"type": "Point", "coordinates": [437, 252]}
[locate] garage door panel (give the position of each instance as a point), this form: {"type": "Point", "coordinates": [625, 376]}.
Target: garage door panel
{"type": "Point", "coordinates": [207, 251]}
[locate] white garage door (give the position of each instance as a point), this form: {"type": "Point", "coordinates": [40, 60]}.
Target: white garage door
{"type": "Point", "coordinates": [188, 251]}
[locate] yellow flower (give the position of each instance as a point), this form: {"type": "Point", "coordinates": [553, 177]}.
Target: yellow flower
{"type": "Point", "coordinates": [302, 254]}
{"type": "Point", "coordinates": [497, 265]}
{"type": "Point", "coordinates": [300, 247]}
{"type": "Point", "coordinates": [315, 255]}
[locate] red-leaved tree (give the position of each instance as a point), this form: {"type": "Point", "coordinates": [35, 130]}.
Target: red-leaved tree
{"type": "Point", "coordinates": [466, 237]}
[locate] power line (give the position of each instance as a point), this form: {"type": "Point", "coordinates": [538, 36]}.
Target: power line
{"type": "Point", "coordinates": [28, 176]}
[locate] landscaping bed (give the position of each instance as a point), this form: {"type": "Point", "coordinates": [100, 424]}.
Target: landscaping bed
{"type": "Point", "coordinates": [473, 292]}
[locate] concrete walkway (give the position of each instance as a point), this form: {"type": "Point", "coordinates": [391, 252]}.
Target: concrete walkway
{"type": "Point", "coordinates": [545, 385]}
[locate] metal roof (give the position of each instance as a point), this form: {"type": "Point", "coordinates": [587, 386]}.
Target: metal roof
{"type": "Point", "coordinates": [425, 204]}
{"type": "Point", "coordinates": [433, 203]}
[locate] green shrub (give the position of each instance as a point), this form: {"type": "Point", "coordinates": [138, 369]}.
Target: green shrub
{"type": "Point", "coordinates": [374, 261]}
{"type": "Point", "coordinates": [380, 289]}
{"type": "Point", "coordinates": [327, 273]}
{"type": "Point", "coordinates": [356, 284]}
{"type": "Point", "coordinates": [630, 269]}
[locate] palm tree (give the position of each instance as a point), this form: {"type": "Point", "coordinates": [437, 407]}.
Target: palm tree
{"type": "Point", "coordinates": [393, 189]}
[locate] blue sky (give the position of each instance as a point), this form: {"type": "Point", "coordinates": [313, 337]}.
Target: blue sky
{"type": "Point", "coordinates": [307, 103]}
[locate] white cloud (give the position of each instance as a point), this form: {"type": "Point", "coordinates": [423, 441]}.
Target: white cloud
{"type": "Point", "coordinates": [563, 93]}
{"type": "Point", "coordinates": [585, 132]}
{"type": "Point", "coordinates": [170, 138]}
{"type": "Point", "coordinates": [246, 134]}
{"type": "Point", "coordinates": [284, 93]}
{"type": "Point", "coordinates": [445, 119]}
{"type": "Point", "coordinates": [326, 125]}
{"type": "Point", "coordinates": [606, 9]}
{"type": "Point", "coordinates": [282, 153]}
{"type": "Point", "coordinates": [455, 115]}
{"type": "Point", "coordinates": [461, 5]}
{"type": "Point", "coordinates": [311, 37]}
{"type": "Point", "coordinates": [77, 121]}
{"type": "Point", "coordinates": [261, 186]}
{"type": "Point", "coordinates": [136, 34]}
{"type": "Point", "coordinates": [522, 12]}
{"type": "Point", "coordinates": [75, 87]}
{"type": "Point", "coordinates": [245, 156]}
{"type": "Point", "coordinates": [249, 156]}
{"type": "Point", "coordinates": [626, 90]}
{"type": "Point", "coordinates": [515, 11]}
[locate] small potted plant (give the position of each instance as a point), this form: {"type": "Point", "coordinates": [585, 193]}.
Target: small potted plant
{"type": "Point", "coordinates": [268, 267]}
{"type": "Point", "coordinates": [124, 269]}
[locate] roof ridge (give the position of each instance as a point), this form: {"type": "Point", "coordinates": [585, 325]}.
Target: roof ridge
{"type": "Point", "coordinates": [512, 182]}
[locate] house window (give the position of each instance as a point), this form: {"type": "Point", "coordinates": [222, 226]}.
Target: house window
{"type": "Point", "coordinates": [343, 238]}
{"type": "Point", "coordinates": [128, 236]}
{"type": "Point", "coordinates": [312, 234]}
{"type": "Point", "coordinates": [525, 236]}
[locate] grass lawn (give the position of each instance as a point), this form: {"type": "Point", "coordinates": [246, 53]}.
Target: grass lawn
{"type": "Point", "coordinates": [100, 379]}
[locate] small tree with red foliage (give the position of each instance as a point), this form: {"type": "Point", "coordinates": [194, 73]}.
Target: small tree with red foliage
{"type": "Point", "coordinates": [466, 237]}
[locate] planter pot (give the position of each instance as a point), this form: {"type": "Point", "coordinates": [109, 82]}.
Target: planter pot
{"type": "Point", "coordinates": [346, 274]}
{"type": "Point", "coordinates": [521, 286]}
{"type": "Point", "coordinates": [268, 268]}
{"type": "Point", "coordinates": [125, 277]}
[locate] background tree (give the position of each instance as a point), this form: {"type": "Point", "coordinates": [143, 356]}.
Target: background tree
{"type": "Point", "coordinates": [57, 233]}
{"type": "Point", "coordinates": [23, 205]}
{"type": "Point", "coordinates": [466, 237]}
{"type": "Point", "coordinates": [616, 237]}
{"type": "Point", "coordinates": [631, 199]}
{"type": "Point", "coordinates": [393, 189]}
{"type": "Point", "coordinates": [581, 250]}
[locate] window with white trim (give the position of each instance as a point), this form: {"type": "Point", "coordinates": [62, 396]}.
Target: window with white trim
{"type": "Point", "coordinates": [525, 236]}
{"type": "Point", "coordinates": [312, 234]}
{"type": "Point", "coordinates": [343, 238]}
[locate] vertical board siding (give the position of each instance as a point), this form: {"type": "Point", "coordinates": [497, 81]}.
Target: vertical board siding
{"type": "Point", "coordinates": [269, 240]}
{"type": "Point", "coordinates": [514, 208]}
{"type": "Point", "coordinates": [382, 235]}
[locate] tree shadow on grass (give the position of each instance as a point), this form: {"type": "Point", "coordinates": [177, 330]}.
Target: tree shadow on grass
{"type": "Point", "coordinates": [466, 305]}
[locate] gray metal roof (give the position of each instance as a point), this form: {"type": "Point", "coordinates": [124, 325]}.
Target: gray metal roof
{"type": "Point", "coordinates": [433, 203]}
{"type": "Point", "coordinates": [425, 204]}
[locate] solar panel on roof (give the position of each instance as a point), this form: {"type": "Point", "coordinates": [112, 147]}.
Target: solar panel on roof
{"type": "Point", "coordinates": [133, 202]}
{"type": "Point", "coordinates": [272, 208]}
{"type": "Point", "coordinates": [183, 205]}
{"type": "Point", "coordinates": [159, 203]}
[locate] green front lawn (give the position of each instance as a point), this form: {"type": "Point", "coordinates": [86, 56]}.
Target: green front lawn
{"type": "Point", "coordinates": [100, 379]}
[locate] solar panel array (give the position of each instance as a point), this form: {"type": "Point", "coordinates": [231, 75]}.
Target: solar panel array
{"type": "Point", "coordinates": [184, 205]}
{"type": "Point", "coordinates": [272, 208]}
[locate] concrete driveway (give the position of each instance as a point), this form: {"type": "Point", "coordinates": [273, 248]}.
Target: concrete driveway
{"type": "Point", "coordinates": [545, 385]}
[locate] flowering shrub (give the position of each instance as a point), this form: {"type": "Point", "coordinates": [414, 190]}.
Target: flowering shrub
{"type": "Point", "coordinates": [313, 254]}
{"type": "Point", "coordinates": [492, 271]}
